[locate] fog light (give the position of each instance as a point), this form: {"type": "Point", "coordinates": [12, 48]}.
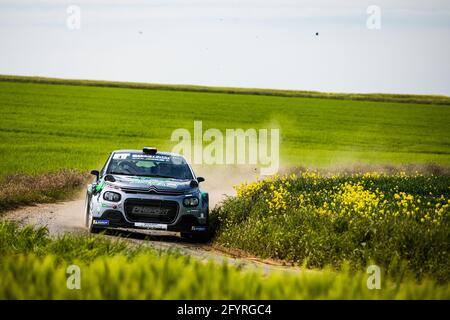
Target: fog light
{"type": "Point", "coordinates": [190, 202]}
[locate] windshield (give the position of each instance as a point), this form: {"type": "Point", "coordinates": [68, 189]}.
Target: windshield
{"type": "Point", "coordinates": [137, 164]}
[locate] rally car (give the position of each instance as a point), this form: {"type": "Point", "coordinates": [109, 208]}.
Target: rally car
{"type": "Point", "coordinates": [147, 189]}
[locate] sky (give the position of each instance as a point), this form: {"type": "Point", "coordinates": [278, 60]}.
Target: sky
{"type": "Point", "coordinates": [319, 45]}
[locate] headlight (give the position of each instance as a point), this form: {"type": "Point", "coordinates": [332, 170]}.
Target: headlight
{"type": "Point", "coordinates": [190, 202]}
{"type": "Point", "coordinates": [112, 196]}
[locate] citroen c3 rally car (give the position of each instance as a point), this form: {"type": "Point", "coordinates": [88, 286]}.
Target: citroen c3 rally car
{"type": "Point", "coordinates": [146, 189]}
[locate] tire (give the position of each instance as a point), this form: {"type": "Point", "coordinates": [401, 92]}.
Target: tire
{"type": "Point", "coordinates": [86, 211]}
{"type": "Point", "coordinates": [89, 219]}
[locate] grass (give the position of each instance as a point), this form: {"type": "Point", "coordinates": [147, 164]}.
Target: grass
{"type": "Point", "coordinates": [382, 97]}
{"type": "Point", "coordinates": [316, 220]}
{"type": "Point", "coordinates": [22, 189]}
{"type": "Point", "coordinates": [47, 127]}
{"type": "Point", "coordinates": [28, 240]}
{"type": "Point", "coordinates": [34, 266]}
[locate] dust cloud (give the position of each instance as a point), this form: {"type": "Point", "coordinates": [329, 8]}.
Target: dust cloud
{"type": "Point", "coordinates": [220, 179]}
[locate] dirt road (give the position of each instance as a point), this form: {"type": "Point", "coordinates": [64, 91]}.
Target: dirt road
{"type": "Point", "coordinates": [68, 217]}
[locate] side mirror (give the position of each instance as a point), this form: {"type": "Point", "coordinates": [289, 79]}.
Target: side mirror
{"type": "Point", "coordinates": [96, 174]}
{"type": "Point", "coordinates": [193, 184]}
{"type": "Point", "coordinates": [200, 179]}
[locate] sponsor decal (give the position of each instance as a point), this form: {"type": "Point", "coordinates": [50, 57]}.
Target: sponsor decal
{"type": "Point", "coordinates": [156, 157]}
{"type": "Point", "coordinates": [198, 228]}
{"type": "Point", "coordinates": [101, 222]}
{"type": "Point", "coordinates": [107, 205]}
{"type": "Point", "coordinates": [149, 210]}
{"type": "Point", "coordinates": [151, 182]}
{"type": "Point", "coordinates": [121, 156]}
{"type": "Point", "coordinates": [157, 226]}
{"type": "Point", "coordinates": [170, 184]}
{"type": "Point", "coordinates": [99, 186]}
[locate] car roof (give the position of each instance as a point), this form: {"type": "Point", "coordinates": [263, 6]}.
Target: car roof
{"type": "Point", "coordinates": [142, 152]}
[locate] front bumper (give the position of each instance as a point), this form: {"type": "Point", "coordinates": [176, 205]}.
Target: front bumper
{"type": "Point", "coordinates": [177, 217]}
{"type": "Point", "coordinates": [115, 219]}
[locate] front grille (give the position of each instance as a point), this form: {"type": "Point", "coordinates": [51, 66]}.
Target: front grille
{"type": "Point", "coordinates": [151, 211]}
{"type": "Point", "coordinates": [152, 191]}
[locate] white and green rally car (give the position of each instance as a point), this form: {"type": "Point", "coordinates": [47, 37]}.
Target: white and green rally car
{"type": "Point", "coordinates": [147, 190]}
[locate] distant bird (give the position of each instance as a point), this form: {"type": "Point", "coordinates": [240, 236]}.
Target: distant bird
{"type": "Point", "coordinates": [140, 32]}
{"type": "Point", "coordinates": [317, 33]}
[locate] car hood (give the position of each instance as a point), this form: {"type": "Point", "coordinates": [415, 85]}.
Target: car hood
{"type": "Point", "coordinates": [156, 183]}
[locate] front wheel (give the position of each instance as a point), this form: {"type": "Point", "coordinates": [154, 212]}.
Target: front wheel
{"type": "Point", "coordinates": [89, 220]}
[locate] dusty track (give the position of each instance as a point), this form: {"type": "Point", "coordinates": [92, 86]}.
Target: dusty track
{"type": "Point", "coordinates": [68, 217]}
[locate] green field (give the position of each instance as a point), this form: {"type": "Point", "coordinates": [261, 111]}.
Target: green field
{"type": "Point", "coordinates": [33, 266]}
{"type": "Point", "coordinates": [317, 220]}
{"type": "Point", "coordinates": [53, 131]}
{"type": "Point", "coordinates": [46, 127]}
